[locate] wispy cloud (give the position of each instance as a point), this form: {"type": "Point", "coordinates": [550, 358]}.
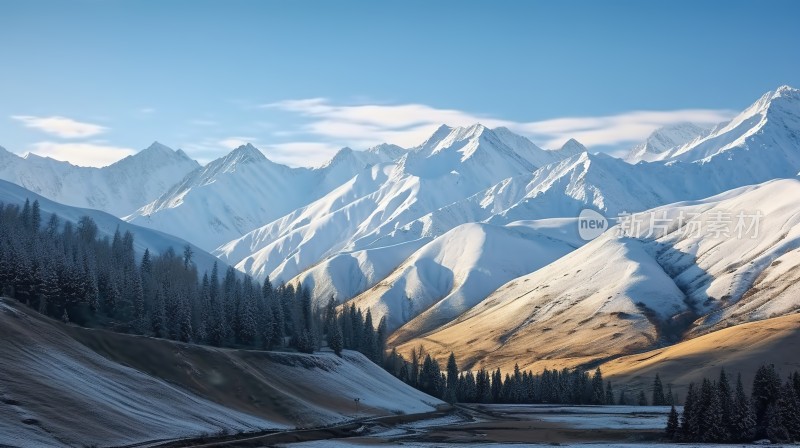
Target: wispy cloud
{"type": "Point", "coordinates": [409, 124]}
{"type": "Point", "coordinates": [300, 153]}
{"type": "Point", "coordinates": [147, 110]}
{"type": "Point", "coordinates": [235, 142]}
{"type": "Point", "coordinates": [60, 126]}
{"type": "Point", "coordinates": [613, 130]}
{"type": "Point", "coordinates": [82, 153]}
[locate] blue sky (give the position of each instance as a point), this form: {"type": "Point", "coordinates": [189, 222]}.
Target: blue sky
{"type": "Point", "coordinates": [92, 81]}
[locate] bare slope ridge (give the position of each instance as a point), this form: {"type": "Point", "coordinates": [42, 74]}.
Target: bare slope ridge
{"type": "Point", "coordinates": [66, 386]}
{"type": "Point", "coordinates": [739, 349]}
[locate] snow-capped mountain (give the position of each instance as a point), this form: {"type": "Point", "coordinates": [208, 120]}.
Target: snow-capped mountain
{"type": "Point", "coordinates": [372, 209]}
{"type": "Point", "coordinates": [768, 129]}
{"type": "Point", "coordinates": [243, 190]}
{"type": "Point", "coordinates": [119, 188]}
{"type": "Point", "coordinates": [629, 292]}
{"type": "Point", "coordinates": [664, 139]}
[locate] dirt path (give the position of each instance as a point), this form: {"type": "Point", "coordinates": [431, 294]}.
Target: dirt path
{"type": "Point", "coordinates": [269, 438]}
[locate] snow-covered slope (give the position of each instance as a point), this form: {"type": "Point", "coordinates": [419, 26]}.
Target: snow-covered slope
{"type": "Point", "coordinates": [56, 392]}
{"type": "Point", "coordinates": [452, 273]}
{"type": "Point", "coordinates": [67, 386]}
{"type": "Point", "coordinates": [244, 190]}
{"type": "Point", "coordinates": [156, 242]}
{"type": "Point", "coordinates": [664, 139]}
{"type": "Point", "coordinates": [119, 188]}
{"type": "Point", "coordinates": [622, 294]}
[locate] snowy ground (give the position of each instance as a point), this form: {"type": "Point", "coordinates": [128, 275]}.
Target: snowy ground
{"type": "Point", "coordinates": [344, 443]}
{"type": "Point", "coordinates": [597, 417]}
{"type": "Point", "coordinates": [520, 425]}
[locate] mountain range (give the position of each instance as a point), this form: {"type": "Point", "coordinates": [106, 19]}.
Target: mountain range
{"type": "Point", "coordinates": [469, 241]}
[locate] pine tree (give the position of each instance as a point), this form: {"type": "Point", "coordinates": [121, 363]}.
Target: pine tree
{"type": "Point", "coordinates": [726, 402]}
{"type": "Point", "coordinates": [497, 386]}
{"type": "Point", "coordinates": [158, 316]}
{"type": "Point", "coordinates": [712, 421]}
{"type": "Point", "coordinates": [188, 252]}
{"type": "Point", "coordinates": [247, 315]}
{"type": "Point", "coordinates": [658, 392]}
{"type": "Point", "coordinates": [672, 423]}
{"type": "Point", "coordinates": [670, 396]}
{"type": "Point", "coordinates": [337, 340]}
{"type": "Point", "coordinates": [789, 410]}
{"type": "Point", "coordinates": [367, 345]}
{"type": "Point", "coordinates": [609, 394]}
{"type": "Point", "coordinates": [796, 383]}
{"type": "Point", "coordinates": [25, 216]}
{"type": "Point", "coordinates": [690, 422]}
{"type": "Point", "coordinates": [742, 424]}
{"type": "Point", "coordinates": [49, 290]}
{"type": "Point", "coordinates": [775, 431]}
{"type": "Point", "coordinates": [381, 334]}
{"type": "Point", "coordinates": [53, 225]}
{"type": "Point", "coordinates": [452, 376]}
{"type": "Point", "coordinates": [430, 377]}
{"type": "Point", "coordinates": [642, 401]}
{"type": "Point", "coordinates": [414, 374]}
{"type": "Point", "coordinates": [766, 389]}
{"type": "Point", "coordinates": [184, 333]}
{"type": "Point", "coordinates": [483, 390]}
{"type": "Point", "coordinates": [137, 294]}
{"type": "Point", "coordinates": [36, 216]}
{"type": "Point", "coordinates": [598, 394]}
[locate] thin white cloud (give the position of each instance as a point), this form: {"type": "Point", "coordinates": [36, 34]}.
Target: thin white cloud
{"type": "Point", "coordinates": [82, 153]}
{"type": "Point", "coordinates": [301, 153]}
{"type": "Point", "coordinates": [611, 130]}
{"type": "Point", "coordinates": [60, 126]}
{"type": "Point", "coordinates": [235, 142]}
{"type": "Point", "coordinates": [147, 110]}
{"type": "Point", "coordinates": [409, 124]}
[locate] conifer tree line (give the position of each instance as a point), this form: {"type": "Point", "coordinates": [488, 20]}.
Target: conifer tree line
{"type": "Point", "coordinates": [566, 386]}
{"type": "Point", "coordinates": [715, 411]}
{"type": "Point", "coordinates": [352, 329]}
{"type": "Point", "coordinates": [67, 271]}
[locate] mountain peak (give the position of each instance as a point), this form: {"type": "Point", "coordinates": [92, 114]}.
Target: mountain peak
{"type": "Point", "coordinates": [158, 147]}
{"type": "Point", "coordinates": [246, 153]}
{"type": "Point", "coordinates": [438, 135]}
{"type": "Point", "coordinates": [786, 90]}
{"type": "Point", "coordinates": [572, 147]}
{"type": "Point", "coordinates": [156, 155]}
{"type": "Point", "coordinates": [664, 139]}
{"type": "Point", "coordinates": [476, 128]}
{"type": "Point", "coordinates": [340, 155]}
{"type": "Point", "coordinates": [388, 150]}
